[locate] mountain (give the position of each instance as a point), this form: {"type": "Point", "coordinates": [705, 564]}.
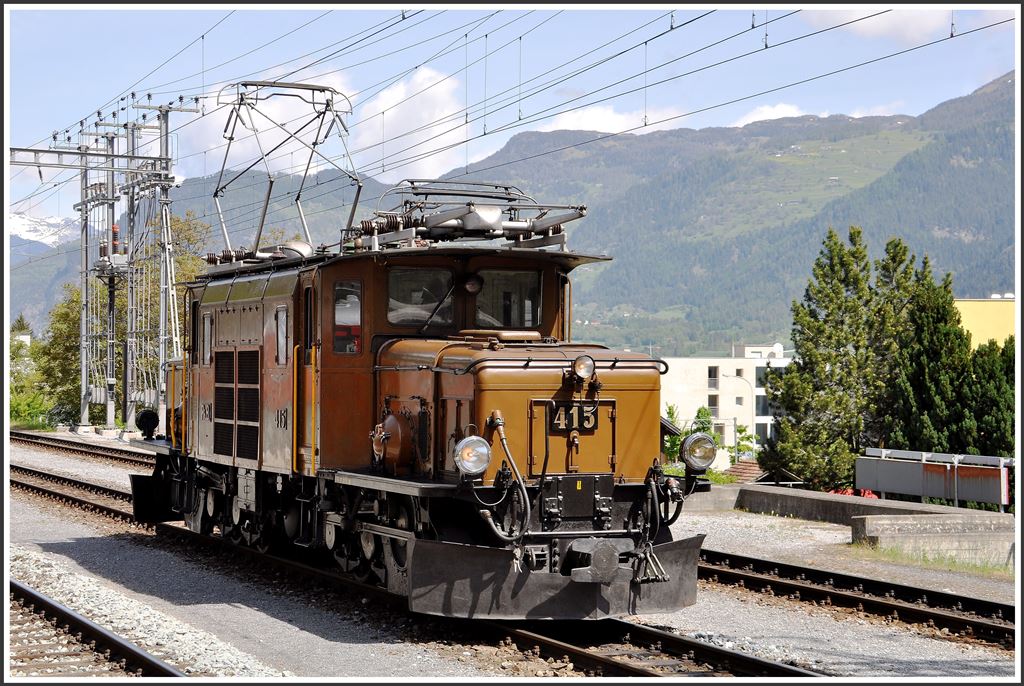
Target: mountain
{"type": "Point", "coordinates": [34, 236]}
{"type": "Point", "coordinates": [714, 231]}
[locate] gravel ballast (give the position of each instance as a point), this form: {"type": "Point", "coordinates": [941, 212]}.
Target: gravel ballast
{"type": "Point", "coordinates": [819, 640]}
{"type": "Point", "coordinates": [191, 650]}
{"type": "Point", "coordinates": [275, 634]}
{"type": "Point", "coordinates": [90, 469]}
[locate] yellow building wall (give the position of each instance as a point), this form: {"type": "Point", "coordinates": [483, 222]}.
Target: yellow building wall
{"type": "Point", "coordinates": [986, 319]}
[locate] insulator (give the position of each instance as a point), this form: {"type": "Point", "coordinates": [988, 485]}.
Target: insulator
{"type": "Point", "coordinates": [366, 225]}
{"type": "Point", "coordinates": [242, 253]}
{"type": "Point", "coordinates": [392, 222]}
{"type": "Point", "coordinates": [227, 255]}
{"type": "Point", "coordinates": [211, 258]}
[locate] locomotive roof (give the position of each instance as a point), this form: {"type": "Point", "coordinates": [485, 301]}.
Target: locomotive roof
{"type": "Point", "coordinates": [565, 259]}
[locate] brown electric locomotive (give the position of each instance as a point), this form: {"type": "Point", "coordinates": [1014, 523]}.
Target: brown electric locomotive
{"type": "Point", "coordinates": [412, 406]}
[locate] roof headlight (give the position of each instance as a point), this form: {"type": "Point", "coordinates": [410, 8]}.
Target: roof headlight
{"type": "Point", "coordinates": [583, 367]}
{"type": "Point", "coordinates": [698, 451]}
{"type": "Point", "coordinates": [472, 455]}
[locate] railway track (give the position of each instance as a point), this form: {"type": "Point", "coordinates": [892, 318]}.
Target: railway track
{"type": "Point", "coordinates": [616, 647]}
{"type": "Point", "coordinates": [608, 647]}
{"type": "Point", "coordinates": [123, 455]}
{"type": "Point", "coordinates": [51, 640]}
{"type": "Point", "coordinates": [605, 649]}
{"type": "Point", "coordinates": [86, 495]}
{"type": "Point", "coordinates": [972, 617]}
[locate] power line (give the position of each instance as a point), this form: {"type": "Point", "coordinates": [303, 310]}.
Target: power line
{"type": "Point", "coordinates": [543, 86]}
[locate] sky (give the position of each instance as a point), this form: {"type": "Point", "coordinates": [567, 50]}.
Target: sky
{"type": "Point", "coordinates": [410, 74]}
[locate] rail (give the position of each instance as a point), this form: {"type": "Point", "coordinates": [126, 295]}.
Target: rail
{"type": "Point", "coordinates": [976, 617]}
{"type": "Point", "coordinates": [77, 623]}
{"type": "Point", "coordinates": [126, 455]}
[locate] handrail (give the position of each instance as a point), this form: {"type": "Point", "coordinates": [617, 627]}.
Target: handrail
{"type": "Point", "coordinates": [295, 407]}
{"type": "Point", "coordinates": [184, 404]}
{"type": "Point", "coordinates": [312, 455]}
{"type": "Point", "coordinates": [173, 446]}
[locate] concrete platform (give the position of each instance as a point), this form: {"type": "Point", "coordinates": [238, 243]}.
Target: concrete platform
{"type": "Point", "coordinates": [984, 538]}
{"type": "Point", "coordinates": [917, 528]}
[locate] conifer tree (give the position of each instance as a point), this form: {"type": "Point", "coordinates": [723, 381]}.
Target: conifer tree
{"type": "Point", "coordinates": [21, 325]}
{"type": "Point", "coordinates": [891, 298]}
{"type": "Point", "coordinates": [929, 411]}
{"type": "Point", "coordinates": [826, 393]}
{"type": "Point", "coordinates": [990, 397]}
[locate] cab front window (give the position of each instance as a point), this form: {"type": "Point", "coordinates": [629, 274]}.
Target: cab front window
{"type": "Point", "coordinates": [508, 299]}
{"type": "Point", "coordinates": [420, 297]}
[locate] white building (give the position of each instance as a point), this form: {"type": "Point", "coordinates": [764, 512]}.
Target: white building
{"type": "Point", "coordinates": [731, 386]}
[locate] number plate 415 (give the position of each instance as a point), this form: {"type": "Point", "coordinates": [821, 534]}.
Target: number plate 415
{"type": "Point", "coordinates": [573, 417]}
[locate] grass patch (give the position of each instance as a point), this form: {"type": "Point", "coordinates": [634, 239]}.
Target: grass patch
{"type": "Point", "coordinates": [30, 425]}
{"type": "Point", "coordinates": [936, 561]}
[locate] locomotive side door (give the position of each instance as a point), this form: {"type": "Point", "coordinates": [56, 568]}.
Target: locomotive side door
{"type": "Point", "coordinates": [346, 400]}
{"type": "Point", "coordinates": [279, 382]}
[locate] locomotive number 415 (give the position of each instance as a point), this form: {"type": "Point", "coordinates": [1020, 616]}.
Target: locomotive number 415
{"type": "Point", "coordinates": [570, 417]}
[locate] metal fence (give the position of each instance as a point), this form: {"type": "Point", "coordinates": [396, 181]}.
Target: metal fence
{"type": "Point", "coordinates": [960, 478]}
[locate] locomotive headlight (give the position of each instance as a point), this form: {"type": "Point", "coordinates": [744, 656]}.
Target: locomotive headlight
{"type": "Point", "coordinates": [472, 455]}
{"type": "Point", "coordinates": [698, 451]}
{"type": "Point", "coordinates": [583, 367]}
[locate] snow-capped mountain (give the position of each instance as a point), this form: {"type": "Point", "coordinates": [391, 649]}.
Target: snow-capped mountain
{"type": "Point", "coordinates": [51, 231]}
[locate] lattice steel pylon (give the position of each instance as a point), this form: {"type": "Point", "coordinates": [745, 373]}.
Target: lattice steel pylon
{"type": "Point", "coordinates": [112, 259]}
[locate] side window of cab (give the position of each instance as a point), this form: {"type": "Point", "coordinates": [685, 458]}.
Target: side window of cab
{"type": "Point", "coordinates": [348, 317]}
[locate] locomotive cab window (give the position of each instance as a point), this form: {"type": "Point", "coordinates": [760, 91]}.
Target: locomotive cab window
{"type": "Point", "coordinates": [508, 299]}
{"type": "Point", "coordinates": [207, 337]}
{"type": "Point", "coordinates": [420, 297]}
{"type": "Point", "coordinates": [308, 328]}
{"type": "Point", "coordinates": [281, 317]}
{"type": "Point", "coordinates": [347, 317]}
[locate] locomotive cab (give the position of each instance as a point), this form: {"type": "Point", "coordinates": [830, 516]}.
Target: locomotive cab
{"type": "Point", "coordinates": [413, 408]}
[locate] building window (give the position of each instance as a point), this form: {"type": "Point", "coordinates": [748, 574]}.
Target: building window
{"type": "Point", "coordinates": [739, 373]}
{"type": "Point", "coordinates": [713, 405]}
{"type": "Point", "coordinates": [763, 408]}
{"type": "Point", "coordinates": [712, 377]}
{"type": "Point", "coordinates": [761, 431]}
{"type": "Point", "coordinates": [739, 400]}
{"type": "Point", "coordinates": [760, 374]}
{"type": "Point", "coordinates": [347, 316]}
{"type": "Point", "coordinates": [720, 431]}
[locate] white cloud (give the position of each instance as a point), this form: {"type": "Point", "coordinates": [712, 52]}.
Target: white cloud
{"type": "Point", "coordinates": [883, 110]}
{"type": "Point", "coordinates": [412, 106]}
{"type": "Point", "coordinates": [207, 134]}
{"type": "Point", "coordinates": [605, 119]}
{"type": "Point", "coordinates": [764, 112]}
{"type": "Point", "coordinates": [907, 26]}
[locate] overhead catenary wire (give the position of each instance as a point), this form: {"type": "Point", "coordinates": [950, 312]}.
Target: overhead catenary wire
{"type": "Point", "coordinates": [536, 117]}
{"type": "Point", "coordinates": [542, 87]}
{"type": "Point", "coordinates": [720, 104]}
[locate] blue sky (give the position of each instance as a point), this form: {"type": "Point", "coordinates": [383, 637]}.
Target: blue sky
{"type": "Point", "coordinates": [64, 64]}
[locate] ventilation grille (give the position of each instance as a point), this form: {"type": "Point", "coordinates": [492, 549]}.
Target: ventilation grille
{"type": "Point", "coordinates": [222, 439]}
{"type": "Point", "coordinates": [224, 370]}
{"type": "Point", "coordinates": [248, 442]}
{"type": "Point", "coordinates": [248, 366]}
{"type": "Point", "coordinates": [248, 404]}
{"type": "Point", "coordinates": [224, 403]}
